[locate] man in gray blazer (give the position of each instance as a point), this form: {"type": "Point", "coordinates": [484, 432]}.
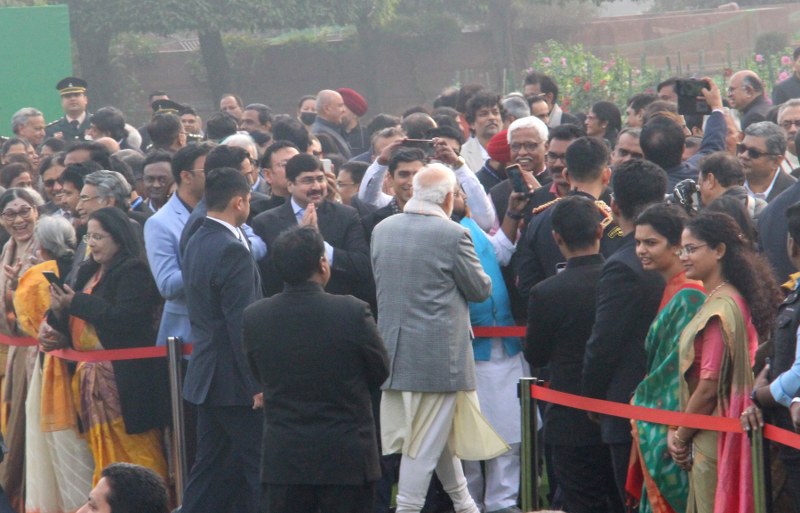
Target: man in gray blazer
{"type": "Point", "coordinates": [426, 270]}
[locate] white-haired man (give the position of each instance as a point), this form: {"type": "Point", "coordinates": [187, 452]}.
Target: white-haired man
{"type": "Point", "coordinates": [426, 270]}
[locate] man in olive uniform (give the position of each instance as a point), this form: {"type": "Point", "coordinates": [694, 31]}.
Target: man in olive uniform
{"type": "Point", "coordinates": [73, 124]}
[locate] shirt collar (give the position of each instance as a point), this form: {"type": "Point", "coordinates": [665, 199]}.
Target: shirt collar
{"type": "Point", "coordinates": [765, 194]}
{"type": "Point", "coordinates": [235, 231]}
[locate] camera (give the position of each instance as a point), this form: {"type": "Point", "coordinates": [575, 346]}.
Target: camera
{"type": "Point", "coordinates": [690, 97]}
{"type": "Point", "coordinates": [684, 195]}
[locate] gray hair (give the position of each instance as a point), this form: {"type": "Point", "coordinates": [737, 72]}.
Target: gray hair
{"type": "Point", "coordinates": [774, 136]}
{"type": "Point", "coordinates": [434, 192]}
{"type": "Point", "coordinates": [633, 131]}
{"type": "Point", "coordinates": [529, 122]}
{"type": "Point", "coordinates": [516, 105]}
{"type": "Point", "coordinates": [243, 141]}
{"type": "Point", "coordinates": [790, 104]}
{"type": "Point", "coordinates": [21, 117]}
{"type": "Point", "coordinates": [110, 184]}
{"type": "Point", "coordinates": [56, 236]}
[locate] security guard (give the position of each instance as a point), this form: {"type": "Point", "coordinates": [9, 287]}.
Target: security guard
{"type": "Point", "coordinates": [73, 125]}
{"type": "Point", "coordinates": [588, 175]}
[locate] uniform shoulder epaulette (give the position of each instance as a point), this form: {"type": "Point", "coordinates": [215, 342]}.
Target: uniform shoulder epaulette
{"type": "Point", "coordinates": [52, 123]}
{"type": "Point", "coordinates": [541, 208]}
{"type": "Point", "coordinates": [605, 210]}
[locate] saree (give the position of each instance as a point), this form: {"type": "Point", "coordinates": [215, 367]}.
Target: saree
{"type": "Point", "coordinates": [95, 389]}
{"type": "Point", "coordinates": [58, 464]}
{"type": "Point", "coordinates": [652, 471]}
{"type": "Point", "coordinates": [721, 478]}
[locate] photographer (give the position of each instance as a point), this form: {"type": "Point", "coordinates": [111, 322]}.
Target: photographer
{"type": "Point", "coordinates": [721, 174]}
{"type": "Point", "coordinates": [663, 141]}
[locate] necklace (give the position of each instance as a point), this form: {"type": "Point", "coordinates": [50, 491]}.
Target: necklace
{"type": "Point", "coordinates": [716, 289]}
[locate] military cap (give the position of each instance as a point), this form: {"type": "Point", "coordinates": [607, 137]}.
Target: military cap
{"type": "Point", "coordinates": [166, 107]}
{"type": "Point", "coordinates": [72, 85]}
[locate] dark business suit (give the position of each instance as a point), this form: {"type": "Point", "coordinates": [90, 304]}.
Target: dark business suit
{"type": "Point", "coordinates": [782, 182]}
{"type": "Point", "coordinates": [318, 357]}
{"type": "Point", "coordinates": [615, 359]}
{"type": "Point", "coordinates": [341, 228]}
{"type": "Point", "coordinates": [538, 255]}
{"type": "Point", "coordinates": [772, 231]}
{"type": "Point", "coordinates": [560, 319]}
{"type": "Point", "coordinates": [221, 280]}
{"type": "Point", "coordinates": [755, 112]}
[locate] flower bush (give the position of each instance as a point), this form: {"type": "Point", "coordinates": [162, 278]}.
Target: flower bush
{"type": "Point", "coordinates": [584, 78]}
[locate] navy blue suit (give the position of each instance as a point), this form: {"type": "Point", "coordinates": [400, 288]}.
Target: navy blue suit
{"type": "Point", "coordinates": [221, 279]}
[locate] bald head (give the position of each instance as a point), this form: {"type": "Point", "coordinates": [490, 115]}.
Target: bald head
{"type": "Point", "coordinates": [745, 86]}
{"type": "Point", "coordinates": [435, 184]}
{"type": "Point", "coordinates": [330, 106]}
{"type": "Point", "coordinates": [111, 145]}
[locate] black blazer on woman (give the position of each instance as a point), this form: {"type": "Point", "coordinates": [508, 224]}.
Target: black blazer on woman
{"type": "Point", "coordinates": [121, 308]}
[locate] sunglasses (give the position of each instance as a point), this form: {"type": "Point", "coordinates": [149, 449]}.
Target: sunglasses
{"type": "Point", "coordinates": [752, 152]}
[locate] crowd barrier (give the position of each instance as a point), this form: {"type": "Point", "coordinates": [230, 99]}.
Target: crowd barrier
{"type": "Point", "coordinates": [530, 391]}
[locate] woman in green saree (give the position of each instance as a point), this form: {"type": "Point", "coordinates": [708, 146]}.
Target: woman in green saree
{"type": "Point", "coordinates": [652, 472]}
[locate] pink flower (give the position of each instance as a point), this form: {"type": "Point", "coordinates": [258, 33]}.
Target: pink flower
{"type": "Point", "coordinates": [564, 62]}
{"type": "Point", "coordinates": [786, 60]}
{"type": "Point", "coordinates": [759, 57]}
{"type": "Point", "coordinates": [587, 86]}
{"type": "Point", "coordinates": [605, 69]}
{"type": "Point", "coordinates": [783, 76]}
{"type": "Point", "coordinates": [547, 60]}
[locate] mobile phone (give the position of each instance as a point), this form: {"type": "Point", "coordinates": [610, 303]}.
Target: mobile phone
{"type": "Point", "coordinates": [690, 96]}
{"type": "Point", "coordinates": [326, 165]}
{"type": "Point", "coordinates": [53, 278]}
{"type": "Point", "coordinates": [515, 175]}
{"type": "Point", "coordinates": [427, 141]}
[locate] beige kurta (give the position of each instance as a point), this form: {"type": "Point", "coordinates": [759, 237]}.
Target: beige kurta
{"type": "Point", "coordinates": [407, 416]}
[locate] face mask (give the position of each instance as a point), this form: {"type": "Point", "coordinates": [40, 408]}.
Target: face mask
{"type": "Point", "coordinates": [308, 118]}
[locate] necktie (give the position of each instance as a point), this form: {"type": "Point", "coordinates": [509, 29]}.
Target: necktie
{"type": "Point", "coordinates": [74, 124]}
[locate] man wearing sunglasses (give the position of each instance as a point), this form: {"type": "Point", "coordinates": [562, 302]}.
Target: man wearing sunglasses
{"type": "Point", "coordinates": [761, 154]}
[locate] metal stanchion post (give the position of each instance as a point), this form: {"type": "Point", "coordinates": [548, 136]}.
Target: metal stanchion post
{"type": "Point", "coordinates": [529, 493]}
{"type": "Point", "coordinates": [757, 456]}
{"type": "Point", "coordinates": [175, 354]}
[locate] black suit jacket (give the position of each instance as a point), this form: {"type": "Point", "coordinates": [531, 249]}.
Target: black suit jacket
{"type": "Point", "coordinates": [341, 228]}
{"type": "Point", "coordinates": [615, 360]}
{"type": "Point", "coordinates": [121, 308]}
{"type": "Point", "coordinates": [372, 220]}
{"type": "Point", "coordinates": [221, 280]}
{"type": "Point", "coordinates": [755, 112]}
{"type": "Point", "coordinates": [560, 318]}
{"type": "Point", "coordinates": [318, 357]}
{"type": "Point", "coordinates": [537, 253]}
{"type": "Point", "coordinates": [782, 182]}
{"type": "Point", "coordinates": [772, 231]}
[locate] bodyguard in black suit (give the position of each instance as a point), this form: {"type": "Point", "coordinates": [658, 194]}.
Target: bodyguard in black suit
{"type": "Point", "coordinates": [222, 279]}
{"type": "Point", "coordinates": [318, 357]}
{"type": "Point", "coordinates": [345, 246]}
{"type": "Point", "coordinates": [560, 318]}
{"type": "Point", "coordinates": [773, 229]}
{"type": "Point", "coordinates": [627, 301]}
{"type": "Point", "coordinates": [588, 175]}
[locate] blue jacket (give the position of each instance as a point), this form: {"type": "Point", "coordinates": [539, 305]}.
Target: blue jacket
{"type": "Point", "coordinates": [496, 310]}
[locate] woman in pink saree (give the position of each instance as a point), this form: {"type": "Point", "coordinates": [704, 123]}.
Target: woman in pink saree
{"type": "Point", "coordinates": [716, 355]}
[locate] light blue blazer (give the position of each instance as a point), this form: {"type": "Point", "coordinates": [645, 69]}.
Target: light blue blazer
{"type": "Point", "coordinates": [162, 235]}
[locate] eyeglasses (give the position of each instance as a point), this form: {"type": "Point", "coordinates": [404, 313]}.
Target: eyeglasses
{"type": "Point", "coordinates": [311, 180]}
{"type": "Point", "coordinates": [50, 183]}
{"type": "Point", "coordinates": [732, 89]}
{"type": "Point", "coordinates": [556, 156]}
{"type": "Point", "coordinates": [689, 250]}
{"type": "Point", "coordinates": [623, 153]}
{"type": "Point", "coordinates": [752, 152]}
{"type": "Point", "coordinates": [788, 124]}
{"type": "Point", "coordinates": [84, 199]}
{"type": "Point", "coordinates": [343, 184]}
{"type": "Point", "coordinates": [24, 213]}
{"type": "Point", "coordinates": [97, 237]}
{"type": "Point", "coordinates": [527, 146]}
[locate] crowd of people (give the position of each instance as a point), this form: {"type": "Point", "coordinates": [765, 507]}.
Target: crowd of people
{"type": "Point", "coordinates": [328, 270]}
